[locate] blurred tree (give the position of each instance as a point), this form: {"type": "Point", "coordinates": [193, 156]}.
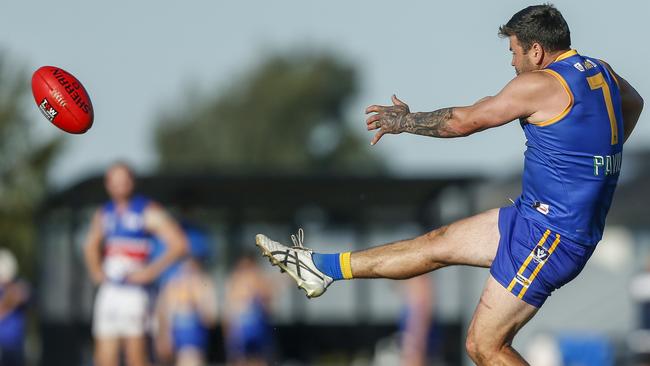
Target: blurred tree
{"type": "Point", "coordinates": [23, 166]}
{"type": "Point", "coordinates": [287, 115]}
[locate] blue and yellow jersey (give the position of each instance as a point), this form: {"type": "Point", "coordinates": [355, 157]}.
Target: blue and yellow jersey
{"type": "Point", "coordinates": [183, 306]}
{"type": "Point", "coordinates": [572, 161]}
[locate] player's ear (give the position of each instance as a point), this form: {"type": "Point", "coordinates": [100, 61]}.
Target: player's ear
{"type": "Point", "coordinates": [537, 53]}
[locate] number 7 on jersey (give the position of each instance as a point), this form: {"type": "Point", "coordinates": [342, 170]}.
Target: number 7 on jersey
{"type": "Point", "coordinates": [598, 82]}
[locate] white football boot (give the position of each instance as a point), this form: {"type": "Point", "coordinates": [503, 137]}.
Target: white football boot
{"type": "Point", "coordinates": [295, 261]}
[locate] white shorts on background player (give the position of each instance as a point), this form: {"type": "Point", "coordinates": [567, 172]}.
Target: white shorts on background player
{"type": "Point", "coordinates": [120, 311]}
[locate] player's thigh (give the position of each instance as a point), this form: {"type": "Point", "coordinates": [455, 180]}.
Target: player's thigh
{"type": "Point", "coordinates": [498, 317]}
{"type": "Point", "coordinates": [135, 348]}
{"type": "Point", "coordinates": [470, 241]}
{"type": "Point", "coordinates": [107, 351]}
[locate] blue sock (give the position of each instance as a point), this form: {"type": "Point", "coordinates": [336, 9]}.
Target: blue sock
{"type": "Point", "coordinates": [328, 264]}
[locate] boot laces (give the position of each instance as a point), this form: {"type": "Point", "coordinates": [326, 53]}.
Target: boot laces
{"type": "Point", "coordinates": [298, 240]}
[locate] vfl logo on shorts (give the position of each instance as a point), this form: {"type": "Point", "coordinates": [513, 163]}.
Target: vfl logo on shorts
{"type": "Point", "coordinates": [540, 254]}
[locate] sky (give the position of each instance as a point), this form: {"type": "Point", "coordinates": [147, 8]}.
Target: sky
{"type": "Point", "coordinates": [139, 59]}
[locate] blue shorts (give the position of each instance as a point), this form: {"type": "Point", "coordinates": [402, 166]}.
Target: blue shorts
{"type": "Point", "coordinates": [532, 261]}
{"type": "Point", "coordinates": [196, 338]}
{"type": "Point", "coordinates": [189, 332]}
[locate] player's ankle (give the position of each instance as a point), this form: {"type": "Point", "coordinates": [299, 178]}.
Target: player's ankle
{"type": "Point", "coordinates": [336, 266]}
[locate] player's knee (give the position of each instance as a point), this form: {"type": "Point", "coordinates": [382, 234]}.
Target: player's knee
{"type": "Point", "coordinates": [437, 235]}
{"type": "Point", "coordinates": [479, 349]}
{"type": "Point", "coordinates": [439, 251]}
{"type": "Point", "coordinates": [439, 232]}
{"type": "Point", "coordinates": [471, 346]}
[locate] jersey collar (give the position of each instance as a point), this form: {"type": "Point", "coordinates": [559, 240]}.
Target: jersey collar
{"type": "Point", "coordinates": [566, 54]}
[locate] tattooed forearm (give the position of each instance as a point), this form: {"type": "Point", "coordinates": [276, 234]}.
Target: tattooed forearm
{"type": "Point", "coordinates": [435, 124]}
{"type": "Point", "coordinates": [397, 118]}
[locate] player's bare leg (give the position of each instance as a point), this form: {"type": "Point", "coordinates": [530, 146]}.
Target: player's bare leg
{"type": "Point", "coordinates": [471, 241]}
{"type": "Point", "coordinates": [136, 351]}
{"type": "Point", "coordinates": [107, 351]}
{"type": "Point", "coordinates": [498, 317]}
{"type": "Point", "coordinates": [190, 356]}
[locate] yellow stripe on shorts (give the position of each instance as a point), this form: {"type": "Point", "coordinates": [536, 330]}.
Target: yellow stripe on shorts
{"type": "Point", "coordinates": [523, 267]}
{"type": "Point", "coordinates": [539, 266]}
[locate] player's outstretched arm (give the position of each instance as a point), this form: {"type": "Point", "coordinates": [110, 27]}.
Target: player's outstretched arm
{"type": "Point", "coordinates": [521, 98]}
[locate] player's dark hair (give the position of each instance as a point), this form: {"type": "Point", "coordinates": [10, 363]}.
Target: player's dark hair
{"type": "Point", "coordinates": [543, 24]}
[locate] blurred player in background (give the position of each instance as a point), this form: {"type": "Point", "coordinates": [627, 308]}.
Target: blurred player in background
{"type": "Point", "coordinates": [14, 294]}
{"type": "Point", "coordinates": [246, 323]}
{"type": "Point", "coordinates": [187, 307]}
{"type": "Point", "coordinates": [639, 340]}
{"type": "Point", "coordinates": [576, 113]}
{"type": "Point", "coordinates": [117, 252]}
{"type": "Point", "coordinates": [416, 322]}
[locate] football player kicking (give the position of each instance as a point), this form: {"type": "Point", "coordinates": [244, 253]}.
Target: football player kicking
{"type": "Point", "coordinates": [576, 113]}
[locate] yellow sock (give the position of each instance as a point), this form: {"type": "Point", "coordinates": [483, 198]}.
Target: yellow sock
{"type": "Point", "coordinates": [346, 267]}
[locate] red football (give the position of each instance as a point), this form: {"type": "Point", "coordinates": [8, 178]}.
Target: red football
{"type": "Point", "coordinates": [62, 99]}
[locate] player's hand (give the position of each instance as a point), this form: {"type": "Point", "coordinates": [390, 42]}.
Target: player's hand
{"type": "Point", "coordinates": [387, 119]}
{"type": "Point", "coordinates": [142, 277]}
